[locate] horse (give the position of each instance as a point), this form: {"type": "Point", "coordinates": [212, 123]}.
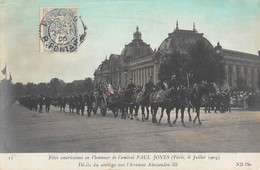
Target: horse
{"type": "Point", "coordinates": [62, 103]}
{"type": "Point", "coordinates": [80, 104]}
{"type": "Point", "coordinates": [90, 101]}
{"type": "Point", "coordinates": [142, 99]}
{"type": "Point", "coordinates": [196, 97]}
{"type": "Point", "coordinates": [125, 101]}
{"type": "Point", "coordinates": [112, 103]}
{"type": "Point", "coordinates": [163, 99]}
{"type": "Point", "coordinates": [180, 103]}
{"type": "Point", "coordinates": [47, 104]}
{"type": "Point", "coordinates": [71, 103]}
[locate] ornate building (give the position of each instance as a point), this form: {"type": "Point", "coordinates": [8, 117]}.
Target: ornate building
{"type": "Point", "coordinates": [138, 61]}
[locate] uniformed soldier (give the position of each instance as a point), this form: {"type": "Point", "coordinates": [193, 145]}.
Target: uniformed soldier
{"type": "Point", "coordinates": [174, 82]}
{"type": "Point", "coordinates": [131, 86]}
{"type": "Point", "coordinates": [149, 86]}
{"type": "Point", "coordinates": [130, 89]}
{"type": "Point", "coordinates": [40, 99]}
{"type": "Point", "coordinates": [160, 86]}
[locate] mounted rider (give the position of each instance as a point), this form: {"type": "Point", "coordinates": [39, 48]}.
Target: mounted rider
{"type": "Point", "coordinates": [130, 89]}
{"type": "Point", "coordinates": [174, 83]}
{"type": "Point", "coordinates": [131, 86]}
{"type": "Point", "coordinates": [160, 86]}
{"type": "Point", "coordinates": [149, 87]}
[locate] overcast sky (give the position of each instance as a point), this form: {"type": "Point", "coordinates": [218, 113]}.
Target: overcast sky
{"type": "Point", "coordinates": [234, 23]}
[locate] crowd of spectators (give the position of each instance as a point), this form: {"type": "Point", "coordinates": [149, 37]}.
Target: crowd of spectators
{"type": "Point", "coordinates": [245, 99]}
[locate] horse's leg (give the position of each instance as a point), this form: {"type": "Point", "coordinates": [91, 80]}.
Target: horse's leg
{"type": "Point", "coordinates": [176, 117]}
{"type": "Point", "coordinates": [182, 115]}
{"type": "Point", "coordinates": [168, 111]}
{"type": "Point", "coordinates": [189, 114]}
{"type": "Point", "coordinates": [154, 110]}
{"type": "Point", "coordinates": [136, 112]}
{"type": "Point", "coordinates": [89, 110]}
{"type": "Point", "coordinates": [143, 115]}
{"type": "Point", "coordinates": [83, 109]}
{"type": "Point", "coordinates": [127, 111]}
{"type": "Point", "coordinates": [196, 116]}
{"type": "Point", "coordinates": [147, 110]}
{"type": "Point", "coordinates": [198, 113]}
{"type": "Point", "coordinates": [131, 111]}
{"type": "Point", "coordinates": [123, 112]}
{"type": "Point", "coordinates": [159, 122]}
{"type": "Point", "coordinates": [229, 109]}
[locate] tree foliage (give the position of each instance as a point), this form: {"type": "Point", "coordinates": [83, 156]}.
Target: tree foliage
{"type": "Point", "coordinates": [200, 63]}
{"type": "Point", "coordinates": [54, 87]}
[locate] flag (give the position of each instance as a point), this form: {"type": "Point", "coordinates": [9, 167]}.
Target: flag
{"type": "Point", "coordinates": [4, 71]}
{"type": "Point", "coordinates": [110, 88]}
{"type": "Point", "coordinates": [11, 77]}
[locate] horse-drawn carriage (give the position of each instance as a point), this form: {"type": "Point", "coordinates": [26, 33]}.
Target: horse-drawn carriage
{"type": "Point", "coordinates": [102, 102]}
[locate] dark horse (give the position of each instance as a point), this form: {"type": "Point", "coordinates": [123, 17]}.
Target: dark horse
{"type": "Point", "coordinates": [124, 102]}
{"type": "Point", "coordinates": [62, 103]}
{"type": "Point", "coordinates": [142, 99]}
{"type": "Point", "coordinates": [163, 99]}
{"type": "Point", "coordinates": [180, 103]}
{"type": "Point", "coordinates": [80, 104]}
{"type": "Point", "coordinates": [112, 103]}
{"type": "Point", "coordinates": [90, 101]}
{"type": "Point", "coordinates": [196, 97]}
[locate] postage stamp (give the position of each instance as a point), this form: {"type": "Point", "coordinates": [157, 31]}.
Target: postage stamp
{"type": "Point", "coordinates": [58, 29]}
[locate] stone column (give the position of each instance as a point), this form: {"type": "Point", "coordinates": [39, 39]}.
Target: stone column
{"type": "Point", "coordinates": [137, 76]}
{"type": "Point", "coordinates": [249, 78]}
{"type": "Point", "coordinates": [142, 76]}
{"type": "Point", "coordinates": [234, 75]}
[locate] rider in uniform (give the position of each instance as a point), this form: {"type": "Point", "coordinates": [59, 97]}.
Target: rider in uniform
{"type": "Point", "coordinates": [160, 86]}
{"type": "Point", "coordinates": [130, 89]}
{"type": "Point", "coordinates": [149, 86]}
{"type": "Point", "coordinates": [174, 82]}
{"type": "Point", "coordinates": [131, 86]}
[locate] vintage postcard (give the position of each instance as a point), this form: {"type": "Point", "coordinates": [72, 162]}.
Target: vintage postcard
{"type": "Point", "coordinates": [119, 84]}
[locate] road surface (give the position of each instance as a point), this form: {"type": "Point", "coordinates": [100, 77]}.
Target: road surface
{"type": "Point", "coordinates": [23, 130]}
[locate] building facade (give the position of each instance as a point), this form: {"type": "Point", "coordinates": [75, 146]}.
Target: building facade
{"type": "Point", "coordinates": [138, 61]}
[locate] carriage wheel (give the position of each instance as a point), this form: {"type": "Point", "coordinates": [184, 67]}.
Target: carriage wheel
{"type": "Point", "coordinates": [103, 106]}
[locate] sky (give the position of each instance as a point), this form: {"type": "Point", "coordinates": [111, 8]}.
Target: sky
{"type": "Point", "coordinates": [111, 24]}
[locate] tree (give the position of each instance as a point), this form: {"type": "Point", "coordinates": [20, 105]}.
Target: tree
{"type": "Point", "coordinates": [200, 63]}
{"type": "Point", "coordinates": [88, 84]}
{"type": "Point", "coordinates": [43, 89]}
{"type": "Point", "coordinates": [170, 66]}
{"type": "Point", "coordinates": [69, 88]}
{"type": "Point", "coordinates": [31, 89]}
{"type": "Point", "coordinates": [19, 89]}
{"type": "Point", "coordinates": [206, 64]}
{"type": "Point", "coordinates": [56, 86]}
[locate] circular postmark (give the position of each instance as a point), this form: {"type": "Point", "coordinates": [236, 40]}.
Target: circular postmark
{"type": "Point", "coordinates": [58, 30]}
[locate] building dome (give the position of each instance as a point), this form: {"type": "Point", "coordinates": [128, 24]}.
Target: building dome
{"type": "Point", "coordinates": [137, 48]}
{"type": "Point", "coordinates": [181, 40]}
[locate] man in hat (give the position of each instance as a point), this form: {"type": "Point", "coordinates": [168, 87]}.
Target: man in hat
{"type": "Point", "coordinates": [149, 86]}
{"type": "Point", "coordinates": [130, 89]}
{"type": "Point", "coordinates": [160, 85]}
{"type": "Point", "coordinates": [131, 86]}
{"type": "Point", "coordinates": [174, 82]}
